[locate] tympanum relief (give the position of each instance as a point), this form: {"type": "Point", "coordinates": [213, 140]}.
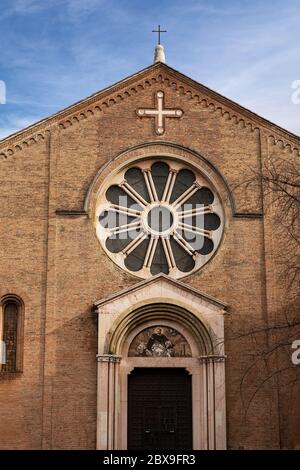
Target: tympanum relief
{"type": "Point", "coordinates": [159, 341]}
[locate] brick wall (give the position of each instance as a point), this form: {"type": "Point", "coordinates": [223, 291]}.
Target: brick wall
{"type": "Point", "coordinates": [57, 266]}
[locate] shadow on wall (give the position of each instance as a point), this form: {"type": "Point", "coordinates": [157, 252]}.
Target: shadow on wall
{"type": "Point", "coordinates": [74, 394]}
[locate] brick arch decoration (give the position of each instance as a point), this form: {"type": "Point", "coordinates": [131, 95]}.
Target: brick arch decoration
{"type": "Point", "coordinates": [101, 102]}
{"type": "Point", "coordinates": [200, 336]}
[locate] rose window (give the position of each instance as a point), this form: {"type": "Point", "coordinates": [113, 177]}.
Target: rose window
{"type": "Point", "coordinates": [159, 217]}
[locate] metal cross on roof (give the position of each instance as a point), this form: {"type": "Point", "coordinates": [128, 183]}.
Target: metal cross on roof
{"type": "Point", "coordinates": [159, 31]}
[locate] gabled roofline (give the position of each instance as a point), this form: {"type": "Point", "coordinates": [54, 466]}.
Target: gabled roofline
{"type": "Point", "coordinates": [34, 128]}
{"type": "Point", "coordinates": [232, 104]}
{"type": "Point", "coordinates": [70, 109]}
{"type": "Point", "coordinates": [154, 279]}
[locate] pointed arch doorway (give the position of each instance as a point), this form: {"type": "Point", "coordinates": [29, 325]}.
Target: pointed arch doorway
{"type": "Point", "coordinates": [160, 409]}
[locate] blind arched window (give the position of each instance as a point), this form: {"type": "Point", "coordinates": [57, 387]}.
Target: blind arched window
{"type": "Point", "coordinates": [11, 334]}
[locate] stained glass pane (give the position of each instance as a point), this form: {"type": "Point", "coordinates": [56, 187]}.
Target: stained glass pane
{"type": "Point", "coordinates": [117, 243]}
{"type": "Point", "coordinates": [112, 219]}
{"type": "Point", "coordinates": [207, 248]}
{"type": "Point", "coordinates": [118, 196]}
{"type": "Point", "coordinates": [183, 260]}
{"type": "Point", "coordinates": [211, 222]}
{"type": "Point", "coordinates": [135, 177]}
{"type": "Point", "coordinates": [135, 260]}
{"type": "Point", "coordinates": [160, 172]}
{"type": "Point", "coordinates": [159, 264]}
{"type": "Point", "coordinates": [194, 240]}
{"type": "Point", "coordinates": [184, 180]}
{"type": "Point", "coordinates": [203, 197]}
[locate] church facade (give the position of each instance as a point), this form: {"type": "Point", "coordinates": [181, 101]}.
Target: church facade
{"type": "Point", "coordinates": [133, 263]}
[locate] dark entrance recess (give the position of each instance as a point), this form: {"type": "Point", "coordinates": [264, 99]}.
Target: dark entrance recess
{"type": "Point", "coordinates": [159, 409]}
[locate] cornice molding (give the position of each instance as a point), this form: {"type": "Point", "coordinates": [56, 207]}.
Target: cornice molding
{"type": "Point", "coordinates": [71, 212]}
{"type": "Point", "coordinates": [283, 144]}
{"type": "Point", "coordinates": [161, 278]}
{"type": "Point", "coordinates": [98, 103]}
{"type": "Point", "coordinates": [248, 215]}
{"type": "Point", "coordinates": [70, 115]}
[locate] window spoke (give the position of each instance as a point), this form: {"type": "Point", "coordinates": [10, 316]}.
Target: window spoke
{"type": "Point", "coordinates": [133, 194]}
{"type": "Point", "coordinates": [150, 185]}
{"type": "Point", "coordinates": [125, 228]}
{"type": "Point", "coordinates": [186, 195]}
{"type": "Point", "coordinates": [134, 243]}
{"type": "Point", "coordinates": [169, 186]}
{"type": "Point", "coordinates": [193, 229]}
{"type": "Point", "coordinates": [125, 210]}
{"type": "Point", "coordinates": [196, 211]}
{"type": "Point", "coordinates": [150, 252]}
{"type": "Point", "coordinates": [185, 245]}
{"type": "Point", "coordinates": [168, 252]}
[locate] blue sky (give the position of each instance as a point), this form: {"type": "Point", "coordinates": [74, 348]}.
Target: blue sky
{"type": "Point", "coordinates": [56, 52]}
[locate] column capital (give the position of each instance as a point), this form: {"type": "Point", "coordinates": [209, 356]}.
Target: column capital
{"type": "Point", "coordinates": [108, 358]}
{"type": "Point", "coordinates": [212, 358]}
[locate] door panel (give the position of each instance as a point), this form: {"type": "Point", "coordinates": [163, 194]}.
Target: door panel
{"type": "Point", "coordinates": [159, 409]}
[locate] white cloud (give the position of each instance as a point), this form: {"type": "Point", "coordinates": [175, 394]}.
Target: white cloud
{"type": "Point", "coordinates": [23, 7]}
{"type": "Point", "coordinates": [13, 123]}
{"type": "Point", "coordinates": [212, 8]}
{"type": "Point", "coordinates": [77, 8]}
{"type": "Point", "coordinates": [246, 50]}
{"type": "Point", "coordinates": [27, 6]}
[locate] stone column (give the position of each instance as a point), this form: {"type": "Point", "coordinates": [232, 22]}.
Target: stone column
{"type": "Point", "coordinates": [213, 404]}
{"type": "Point", "coordinates": [220, 403]}
{"type": "Point", "coordinates": [107, 399]}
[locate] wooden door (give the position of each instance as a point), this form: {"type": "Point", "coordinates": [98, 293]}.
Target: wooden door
{"type": "Point", "coordinates": [159, 409]}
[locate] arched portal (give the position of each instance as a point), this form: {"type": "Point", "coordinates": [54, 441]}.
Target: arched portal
{"type": "Point", "coordinates": [161, 324]}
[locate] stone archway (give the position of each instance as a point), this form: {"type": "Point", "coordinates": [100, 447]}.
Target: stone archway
{"type": "Point", "coordinates": [172, 306]}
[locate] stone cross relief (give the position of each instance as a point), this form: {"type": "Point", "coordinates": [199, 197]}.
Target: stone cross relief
{"type": "Point", "coordinates": [160, 113]}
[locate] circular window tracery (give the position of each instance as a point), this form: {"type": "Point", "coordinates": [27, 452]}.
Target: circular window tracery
{"type": "Point", "coordinates": [159, 216]}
